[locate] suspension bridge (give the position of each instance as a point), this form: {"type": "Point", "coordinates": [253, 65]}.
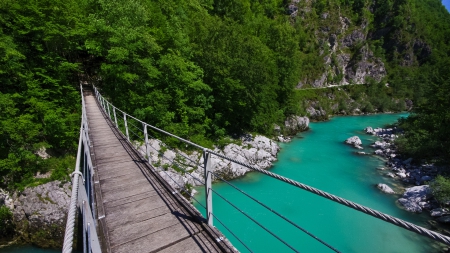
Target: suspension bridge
{"type": "Point", "coordinates": [121, 203]}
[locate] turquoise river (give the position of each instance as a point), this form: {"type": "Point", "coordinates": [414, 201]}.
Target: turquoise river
{"type": "Point", "coordinates": [318, 158]}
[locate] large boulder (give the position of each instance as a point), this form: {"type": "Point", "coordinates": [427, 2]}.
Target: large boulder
{"type": "Point", "coordinates": [355, 141]}
{"type": "Point", "coordinates": [414, 198]}
{"type": "Point", "coordinates": [369, 130]}
{"type": "Point", "coordinates": [438, 212]}
{"type": "Point", "coordinates": [295, 124]}
{"type": "Point", "coordinates": [386, 189]}
{"type": "Point", "coordinates": [316, 114]}
{"type": "Point", "coordinates": [40, 213]}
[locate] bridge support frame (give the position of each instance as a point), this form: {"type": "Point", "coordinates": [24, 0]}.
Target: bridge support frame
{"type": "Point", "coordinates": [147, 150]}
{"type": "Point", "coordinates": [109, 111]}
{"type": "Point", "coordinates": [126, 126]}
{"type": "Point", "coordinates": [115, 117]}
{"type": "Point", "coordinates": [208, 187]}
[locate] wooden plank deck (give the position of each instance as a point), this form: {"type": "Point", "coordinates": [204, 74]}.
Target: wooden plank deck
{"type": "Point", "coordinates": [141, 212]}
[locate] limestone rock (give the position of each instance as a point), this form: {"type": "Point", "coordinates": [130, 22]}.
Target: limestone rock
{"type": "Point", "coordinates": [42, 153]}
{"type": "Point", "coordinates": [413, 198]}
{"type": "Point", "coordinates": [295, 124]}
{"type": "Point", "coordinates": [42, 211]}
{"type": "Point", "coordinates": [5, 199]}
{"type": "Point", "coordinates": [444, 219]}
{"type": "Point", "coordinates": [354, 141]}
{"type": "Point", "coordinates": [316, 114]}
{"type": "Point", "coordinates": [369, 130]}
{"type": "Point", "coordinates": [438, 212]}
{"type": "Point", "coordinates": [386, 189]}
{"type": "Point", "coordinates": [258, 151]}
{"type": "Point", "coordinates": [352, 39]}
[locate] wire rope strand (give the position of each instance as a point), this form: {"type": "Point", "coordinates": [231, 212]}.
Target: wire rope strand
{"type": "Point", "coordinates": [388, 218]}
{"type": "Point", "coordinates": [255, 221]}
{"type": "Point", "coordinates": [278, 214]}
{"type": "Point", "coordinates": [229, 230]}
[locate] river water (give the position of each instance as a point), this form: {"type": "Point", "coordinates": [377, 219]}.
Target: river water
{"type": "Point", "coordinates": [319, 158]}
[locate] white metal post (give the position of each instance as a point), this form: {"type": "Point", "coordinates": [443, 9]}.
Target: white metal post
{"type": "Point", "coordinates": [83, 209]}
{"type": "Point", "coordinates": [109, 111]}
{"type": "Point", "coordinates": [89, 237]}
{"type": "Point", "coordinates": [126, 125]}
{"type": "Point", "coordinates": [115, 118]}
{"type": "Point", "coordinates": [104, 104]}
{"type": "Point", "coordinates": [208, 191]}
{"type": "Point", "coordinates": [147, 150]}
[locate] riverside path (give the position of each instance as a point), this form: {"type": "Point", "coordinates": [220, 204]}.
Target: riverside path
{"type": "Point", "coordinates": [137, 210]}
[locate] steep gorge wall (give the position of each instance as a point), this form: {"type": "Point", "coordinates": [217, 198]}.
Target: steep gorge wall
{"type": "Point", "coordinates": [356, 48]}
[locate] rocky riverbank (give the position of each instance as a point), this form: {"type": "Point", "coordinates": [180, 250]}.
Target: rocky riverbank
{"type": "Point", "coordinates": [38, 214]}
{"type": "Point", "coordinates": [174, 165]}
{"type": "Point", "coordinates": [417, 196]}
{"type": "Point", "coordinates": [185, 169]}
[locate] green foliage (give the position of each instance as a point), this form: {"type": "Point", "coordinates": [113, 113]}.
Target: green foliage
{"type": "Point", "coordinates": [6, 222]}
{"type": "Point", "coordinates": [38, 98]}
{"type": "Point", "coordinates": [203, 69]}
{"type": "Point", "coordinates": [440, 188]}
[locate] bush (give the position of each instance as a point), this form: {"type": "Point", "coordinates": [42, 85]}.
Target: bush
{"type": "Point", "coordinates": [440, 188]}
{"type": "Point", "coordinates": [6, 224]}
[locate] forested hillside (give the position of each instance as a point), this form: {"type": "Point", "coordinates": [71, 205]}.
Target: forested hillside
{"type": "Point", "coordinates": [205, 69]}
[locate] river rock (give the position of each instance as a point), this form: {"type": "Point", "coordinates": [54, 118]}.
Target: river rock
{"type": "Point", "coordinates": [401, 174]}
{"type": "Point", "coordinates": [390, 174]}
{"type": "Point", "coordinates": [386, 189]}
{"type": "Point", "coordinates": [444, 219]}
{"type": "Point", "coordinates": [407, 161]}
{"type": "Point", "coordinates": [296, 124]}
{"type": "Point", "coordinates": [425, 178]}
{"type": "Point", "coordinates": [378, 152]}
{"type": "Point", "coordinates": [355, 141]}
{"type": "Point", "coordinates": [369, 130]}
{"type": "Point", "coordinates": [414, 198]}
{"type": "Point", "coordinates": [438, 212]}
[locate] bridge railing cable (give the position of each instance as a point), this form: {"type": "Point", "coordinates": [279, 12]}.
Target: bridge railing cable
{"type": "Point", "coordinates": [82, 198]}
{"type": "Point", "coordinates": [209, 175]}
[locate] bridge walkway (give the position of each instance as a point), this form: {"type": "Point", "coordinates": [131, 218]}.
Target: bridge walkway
{"type": "Point", "coordinates": [137, 209]}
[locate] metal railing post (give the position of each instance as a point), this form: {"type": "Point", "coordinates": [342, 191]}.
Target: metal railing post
{"type": "Point", "coordinates": [83, 210]}
{"type": "Point", "coordinates": [109, 111]}
{"type": "Point", "coordinates": [115, 118]}
{"type": "Point", "coordinates": [104, 103]}
{"type": "Point", "coordinates": [89, 237]}
{"type": "Point", "coordinates": [126, 125]}
{"type": "Point", "coordinates": [208, 191]}
{"type": "Point", "coordinates": [147, 150]}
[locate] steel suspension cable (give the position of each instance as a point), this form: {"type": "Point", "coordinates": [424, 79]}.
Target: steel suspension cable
{"type": "Point", "coordinates": [255, 221]}
{"type": "Point", "coordinates": [229, 230]}
{"type": "Point", "coordinates": [278, 214]}
{"type": "Point", "coordinates": [388, 218]}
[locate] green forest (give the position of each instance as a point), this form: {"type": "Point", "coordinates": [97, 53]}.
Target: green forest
{"type": "Point", "coordinates": [207, 69]}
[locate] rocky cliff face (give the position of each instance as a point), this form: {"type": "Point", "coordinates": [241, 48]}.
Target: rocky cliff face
{"type": "Point", "coordinates": [39, 213]}
{"type": "Point", "coordinates": [347, 44]}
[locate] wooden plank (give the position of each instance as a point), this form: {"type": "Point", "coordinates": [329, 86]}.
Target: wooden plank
{"type": "Point", "coordinates": [194, 244]}
{"type": "Point", "coordinates": [156, 241]}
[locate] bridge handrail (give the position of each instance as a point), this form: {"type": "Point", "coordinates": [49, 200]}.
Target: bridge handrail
{"type": "Point", "coordinates": [208, 190]}
{"type": "Point", "coordinates": [82, 194]}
